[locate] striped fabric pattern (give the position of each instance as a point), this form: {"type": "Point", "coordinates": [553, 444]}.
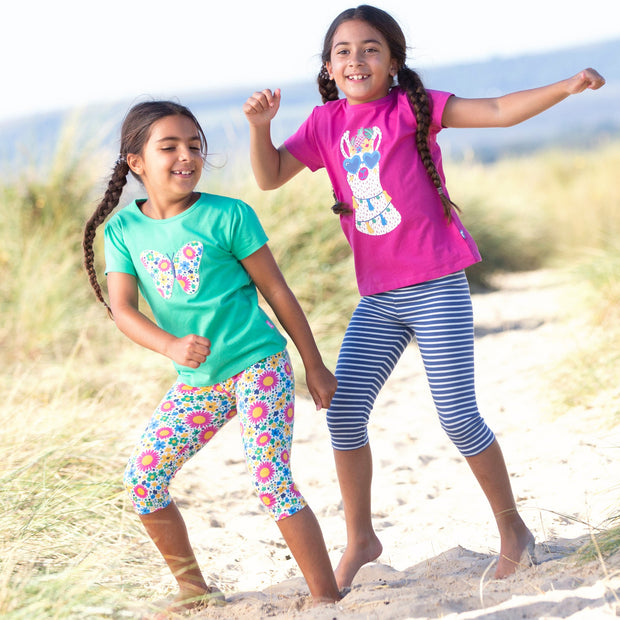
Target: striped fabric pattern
{"type": "Point", "coordinates": [438, 315]}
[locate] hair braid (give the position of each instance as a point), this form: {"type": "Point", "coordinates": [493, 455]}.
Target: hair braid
{"type": "Point", "coordinates": [329, 92]}
{"type": "Point", "coordinates": [110, 200]}
{"type": "Point", "coordinates": [410, 81]}
{"type": "Point", "coordinates": [327, 86]}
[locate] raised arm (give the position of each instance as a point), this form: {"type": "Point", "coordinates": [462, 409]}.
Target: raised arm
{"type": "Point", "coordinates": [262, 268]}
{"type": "Point", "coordinates": [516, 107]}
{"type": "Point", "coordinates": [272, 167]}
{"type": "Point", "coordinates": [191, 350]}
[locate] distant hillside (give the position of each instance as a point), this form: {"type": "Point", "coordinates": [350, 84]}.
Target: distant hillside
{"type": "Point", "coordinates": [579, 121]}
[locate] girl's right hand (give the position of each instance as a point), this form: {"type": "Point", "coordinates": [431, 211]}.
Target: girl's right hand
{"type": "Point", "coordinates": [191, 350]}
{"type": "Point", "coordinates": [262, 106]}
{"type": "Point", "coordinates": [588, 78]}
{"type": "Point", "coordinates": [322, 386]}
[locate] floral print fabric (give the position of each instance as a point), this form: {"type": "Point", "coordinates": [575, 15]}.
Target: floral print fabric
{"type": "Point", "coordinates": [262, 396]}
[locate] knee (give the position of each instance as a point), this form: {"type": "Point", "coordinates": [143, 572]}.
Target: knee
{"type": "Point", "coordinates": [281, 505]}
{"type": "Point", "coordinates": [470, 436]}
{"type": "Point", "coordinates": [347, 431]}
{"type": "Point", "coordinates": [276, 489]}
{"type": "Point", "coordinates": [146, 491]}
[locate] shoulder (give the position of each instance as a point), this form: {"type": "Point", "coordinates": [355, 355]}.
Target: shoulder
{"type": "Point", "coordinates": [125, 216]}
{"type": "Point", "coordinates": [329, 109]}
{"type": "Point", "coordinates": [223, 205]}
{"type": "Point", "coordinates": [226, 210]}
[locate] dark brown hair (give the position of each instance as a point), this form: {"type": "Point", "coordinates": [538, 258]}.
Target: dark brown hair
{"type": "Point", "coordinates": [135, 132]}
{"type": "Point", "coordinates": [408, 80]}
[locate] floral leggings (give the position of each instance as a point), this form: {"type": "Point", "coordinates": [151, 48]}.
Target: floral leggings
{"type": "Point", "coordinates": [187, 419]}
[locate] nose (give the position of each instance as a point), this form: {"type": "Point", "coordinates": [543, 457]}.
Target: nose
{"type": "Point", "coordinates": [356, 57]}
{"type": "Point", "coordinates": [184, 153]}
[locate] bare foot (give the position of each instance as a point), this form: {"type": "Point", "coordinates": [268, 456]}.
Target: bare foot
{"type": "Point", "coordinates": [353, 558]}
{"type": "Point", "coordinates": [188, 600]}
{"type": "Point", "coordinates": [515, 553]}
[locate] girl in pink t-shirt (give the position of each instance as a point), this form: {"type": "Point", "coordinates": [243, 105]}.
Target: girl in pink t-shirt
{"type": "Point", "coordinates": [379, 147]}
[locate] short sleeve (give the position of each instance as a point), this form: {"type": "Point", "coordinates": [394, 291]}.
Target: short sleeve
{"type": "Point", "coordinates": [246, 234]}
{"type": "Point", "coordinates": [303, 146]}
{"type": "Point", "coordinates": [117, 255]}
{"type": "Point", "coordinates": [439, 99]}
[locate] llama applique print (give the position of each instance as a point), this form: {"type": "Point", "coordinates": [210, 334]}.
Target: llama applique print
{"type": "Point", "coordinates": [374, 212]}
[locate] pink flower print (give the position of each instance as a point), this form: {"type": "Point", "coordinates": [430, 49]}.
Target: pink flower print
{"type": "Point", "coordinates": [268, 499]}
{"type": "Point", "coordinates": [218, 387]}
{"type": "Point", "coordinates": [289, 414]}
{"type": "Point", "coordinates": [267, 381]}
{"type": "Point", "coordinates": [264, 472]}
{"type": "Point", "coordinates": [263, 439]}
{"type": "Point", "coordinates": [207, 434]}
{"type": "Point", "coordinates": [168, 405]}
{"type": "Point", "coordinates": [198, 419]}
{"type": "Point", "coordinates": [231, 414]}
{"type": "Point", "coordinates": [185, 282]}
{"type": "Point", "coordinates": [294, 490]}
{"type": "Point", "coordinates": [285, 457]}
{"type": "Point", "coordinates": [189, 252]}
{"type": "Point", "coordinates": [259, 412]}
{"type": "Point", "coordinates": [187, 388]}
{"type": "Point", "coordinates": [164, 432]}
{"type": "Point", "coordinates": [164, 265]}
{"type": "Point", "coordinates": [287, 369]}
{"type": "Point", "coordinates": [140, 491]}
{"type": "Point", "coordinates": [148, 460]}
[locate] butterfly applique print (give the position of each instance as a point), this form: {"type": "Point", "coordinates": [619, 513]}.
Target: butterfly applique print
{"type": "Point", "coordinates": [183, 267]}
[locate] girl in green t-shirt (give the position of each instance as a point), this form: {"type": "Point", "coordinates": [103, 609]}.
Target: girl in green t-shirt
{"type": "Point", "coordinates": [170, 247]}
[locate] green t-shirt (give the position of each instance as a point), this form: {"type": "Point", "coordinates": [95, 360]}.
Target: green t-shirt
{"type": "Point", "coordinates": [188, 270]}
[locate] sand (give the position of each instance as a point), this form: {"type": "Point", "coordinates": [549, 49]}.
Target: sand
{"type": "Point", "coordinates": [440, 541]}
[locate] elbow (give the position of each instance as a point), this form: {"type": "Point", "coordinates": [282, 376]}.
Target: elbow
{"type": "Point", "coordinates": [267, 184]}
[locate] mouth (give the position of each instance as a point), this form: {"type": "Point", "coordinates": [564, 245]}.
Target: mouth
{"type": "Point", "coordinates": [357, 77]}
{"type": "Point", "coordinates": [183, 173]}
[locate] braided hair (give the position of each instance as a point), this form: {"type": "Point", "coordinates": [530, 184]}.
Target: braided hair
{"type": "Point", "coordinates": [135, 132]}
{"type": "Point", "coordinates": [408, 80]}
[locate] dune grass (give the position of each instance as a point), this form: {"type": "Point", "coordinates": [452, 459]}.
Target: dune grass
{"type": "Point", "coordinates": [74, 387]}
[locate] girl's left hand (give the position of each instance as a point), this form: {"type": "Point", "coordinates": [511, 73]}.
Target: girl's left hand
{"type": "Point", "coordinates": [588, 78]}
{"type": "Point", "coordinates": [322, 386]}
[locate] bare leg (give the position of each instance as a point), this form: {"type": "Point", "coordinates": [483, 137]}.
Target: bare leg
{"type": "Point", "coordinates": [304, 538]}
{"type": "Point", "coordinates": [354, 469]}
{"type": "Point", "coordinates": [167, 530]}
{"type": "Point", "coordinates": [490, 471]}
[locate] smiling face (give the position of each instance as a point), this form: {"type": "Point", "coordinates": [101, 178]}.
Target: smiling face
{"type": "Point", "coordinates": [171, 161]}
{"type": "Point", "coordinates": [360, 62]}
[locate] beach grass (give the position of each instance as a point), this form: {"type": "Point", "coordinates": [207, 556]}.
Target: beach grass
{"type": "Point", "coordinates": [75, 390]}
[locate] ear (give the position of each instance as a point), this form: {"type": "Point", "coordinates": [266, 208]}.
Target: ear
{"type": "Point", "coordinates": [135, 163]}
{"type": "Point", "coordinates": [328, 66]}
{"type": "Point", "coordinates": [393, 67]}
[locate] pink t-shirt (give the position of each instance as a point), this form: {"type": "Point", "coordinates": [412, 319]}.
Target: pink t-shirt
{"type": "Point", "coordinates": [398, 231]}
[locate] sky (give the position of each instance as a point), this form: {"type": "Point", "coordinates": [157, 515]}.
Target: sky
{"type": "Point", "coordinates": [68, 54]}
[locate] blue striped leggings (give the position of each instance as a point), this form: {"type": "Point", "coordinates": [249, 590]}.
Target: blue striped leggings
{"type": "Point", "coordinates": [438, 314]}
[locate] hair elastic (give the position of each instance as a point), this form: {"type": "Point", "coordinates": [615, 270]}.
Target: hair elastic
{"type": "Point", "coordinates": [120, 160]}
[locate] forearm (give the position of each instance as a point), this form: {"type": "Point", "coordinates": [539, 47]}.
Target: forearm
{"type": "Point", "coordinates": [264, 157]}
{"type": "Point", "coordinates": [517, 107]}
{"type": "Point", "coordinates": [292, 318]}
{"type": "Point", "coordinates": [139, 328]}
